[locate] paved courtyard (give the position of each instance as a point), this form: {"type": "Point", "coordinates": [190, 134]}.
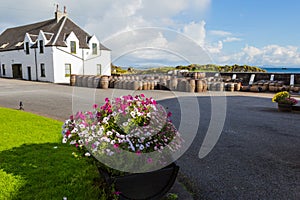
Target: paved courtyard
{"type": "Point", "coordinates": [256, 157]}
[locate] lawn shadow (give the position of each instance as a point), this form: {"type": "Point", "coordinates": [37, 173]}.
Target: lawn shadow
{"type": "Point", "coordinates": [50, 172]}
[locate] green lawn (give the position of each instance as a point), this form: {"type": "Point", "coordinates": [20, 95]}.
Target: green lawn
{"type": "Point", "coordinates": [35, 165]}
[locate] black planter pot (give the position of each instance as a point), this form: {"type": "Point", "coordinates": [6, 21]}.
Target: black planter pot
{"type": "Point", "coordinates": [142, 186]}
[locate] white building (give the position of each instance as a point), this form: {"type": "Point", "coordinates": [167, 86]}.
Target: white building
{"type": "Point", "coordinates": [51, 51]}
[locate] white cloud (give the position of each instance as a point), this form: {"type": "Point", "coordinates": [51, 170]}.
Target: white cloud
{"type": "Point", "coordinates": [267, 55]}
{"type": "Point", "coordinates": [196, 31]}
{"type": "Point", "coordinates": [232, 39]}
{"type": "Point", "coordinates": [220, 33]}
{"type": "Point", "coordinates": [215, 48]}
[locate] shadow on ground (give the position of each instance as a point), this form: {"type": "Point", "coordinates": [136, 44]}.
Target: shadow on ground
{"type": "Point", "coordinates": [48, 171]}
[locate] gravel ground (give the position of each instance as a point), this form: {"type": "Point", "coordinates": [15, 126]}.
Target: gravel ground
{"type": "Point", "coordinates": [256, 157]}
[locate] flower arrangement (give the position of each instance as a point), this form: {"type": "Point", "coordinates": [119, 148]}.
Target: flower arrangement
{"type": "Point", "coordinates": [125, 133]}
{"type": "Point", "coordinates": [284, 98]}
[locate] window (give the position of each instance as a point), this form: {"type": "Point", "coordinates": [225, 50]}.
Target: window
{"type": "Point", "coordinates": [3, 70]}
{"type": "Point", "coordinates": [73, 46]}
{"type": "Point", "coordinates": [41, 46]}
{"type": "Point", "coordinates": [43, 74]}
{"type": "Point", "coordinates": [94, 45]}
{"type": "Point", "coordinates": [67, 70]}
{"type": "Point", "coordinates": [99, 69]}
{"type": "Point", "coordinates": [27, 47]}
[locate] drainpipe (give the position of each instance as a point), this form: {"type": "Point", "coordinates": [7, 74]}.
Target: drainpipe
{"type": "Point", "coordinates": [36, 65]}
{"type": "Point", "coordinates": [82, 61]}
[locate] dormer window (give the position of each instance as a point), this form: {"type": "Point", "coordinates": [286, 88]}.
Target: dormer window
{"type": "Point", "coordinates": [41, 44]}
{"type": "Point", "coordinates": [73, 47]}
{"type": "Point", "coordinates": [94, 47]}
{"type": "Point", "coordinates": [27, 47]}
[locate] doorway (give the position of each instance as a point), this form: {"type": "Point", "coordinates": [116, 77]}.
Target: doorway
{"type": "Point", "coordinates": [17, 71]}
{"type": "Point", "coordinates": [29, 73]}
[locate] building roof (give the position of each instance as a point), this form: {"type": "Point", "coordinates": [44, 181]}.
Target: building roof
{"type": "Point", "coordinates": [55, 31]}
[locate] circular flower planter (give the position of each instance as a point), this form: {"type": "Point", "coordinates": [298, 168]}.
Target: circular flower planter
{"type": "Point", "coordinates": [151, 185]}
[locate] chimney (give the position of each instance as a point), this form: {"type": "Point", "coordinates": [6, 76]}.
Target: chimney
{"type": "Point", "coordinates": [59, 14]}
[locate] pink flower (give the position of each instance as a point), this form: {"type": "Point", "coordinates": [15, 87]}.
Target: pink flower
{"type": "Point", "coordinates": [95, 106]}
{"type": "Point", "coordinates": [142, 95]}
{"type": "Point", "coordinates": [169, 114]}
{"type": "Point", "coordinates": [138, 153]}
{"type": "Point", "coordinates": [116, 146]}
{"type": "Point", "coordinates": [149, 160]}
{"type": "Point", "coordinates": [117, 193]}
{"type": "Point", "coordinates": [106, 100]}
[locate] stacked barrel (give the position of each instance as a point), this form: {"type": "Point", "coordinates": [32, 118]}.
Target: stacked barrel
{"type": "Point", "coordinates": [91, 81]}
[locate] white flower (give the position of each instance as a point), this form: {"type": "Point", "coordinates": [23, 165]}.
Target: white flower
{"type": "Point", "coordinates": [105, 139]}
{"type": "Point", "coordinates": [93, 127]}
{"type": "Point", "coordinates": [142, 147]}
{"type": "Point", "coordinates": [81, 126]}
{"type": "Point", "coordinates": [64, 141]}
{"type": "Point", "coordinates": [105, 120]}
{"type": "Point", "coordinates": [75, 130]}
{"type": "Point", "coordinates": [109, 133]}
{"type": "Point", "coordinates": [125, 124]}
{"type": "Point", "coordinates": [148, 114]}
{"type": "Point", "coordinates": [131, 145]}
{"type": "Point", "coordinates": [114, 114]}
{"type": "Point", "coordinates": [87, 154]}
{"type": "Point", "coordinates": [132, 113]}
{"type": "Point", "coordinates": [109, 152]}
{"type": "Point", "coordinates": [139, 114]}
{"type": "Point", "coordinates": [112, 142]}
{"type": "Point", "coordinates": [73, 142]}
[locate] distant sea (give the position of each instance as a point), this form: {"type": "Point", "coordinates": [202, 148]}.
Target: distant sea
{"type": "Point", "coordinates": [282, 69]}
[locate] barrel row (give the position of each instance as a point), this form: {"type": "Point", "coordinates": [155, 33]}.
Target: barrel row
{"type": "Point", "coordinates": [90, 81]}
{"type": "Point", "coordinates": [270, 86]}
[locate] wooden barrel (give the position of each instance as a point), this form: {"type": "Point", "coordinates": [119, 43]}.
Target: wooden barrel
{"type": "Point", "coordinates": [199, 86]}
{"type": "Point", "coordinates": [149, 84]}
{"type": "Point", "coordinates": [78, 81]}
{"type": "Point", "coordinates": [104, 82]}
{"type": "Point", "coordinates": [135, 85]}
{"type": "Point", "coordinates": [204, 86]}
{"type": "Point", "coordinates": [96, 82]}
{"type": "Point", "coordinates": [152, 85]}
{"type": "Point", "coordinates": [237, 86]}
{"type": "Point", "coordinates": [85, 81]}
{"type": "Point", "coordinates": [192, 85]}
{"type": "Point", "coordinates": [254, 88]}
{"type": "Point", "coordinates": [220, 86]}
{"type": "Point", "coordinates": [91, 81]}
{"type": "Point", "coordinates": [296, 89]}
{"type": "Point", "coordinates": [181, 85]}
{"type": "Point", "coordinates": [72, 79]}
{"type": "Point", "coordinates": [145, 86]}
{"type": "Point", "coordinates": [266, 85]}
{"type": "Point", "coordinates": [231, 87]}
{"type": "Point", "coordinates": [173, 83]}
{"type": "Point", "coordinates": [162, 83]}
{"type": "Point", "coordinates": [118, 84]}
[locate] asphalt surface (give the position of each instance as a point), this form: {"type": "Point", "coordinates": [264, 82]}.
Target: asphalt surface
{"type": "Point", "coordinates": [257, 155]}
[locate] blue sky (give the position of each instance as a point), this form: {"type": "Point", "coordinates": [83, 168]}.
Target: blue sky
{"type": "Point", "coordinates": [164, 32]}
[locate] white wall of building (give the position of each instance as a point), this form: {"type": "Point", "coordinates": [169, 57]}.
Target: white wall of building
{"type": "Point", "coordinates": [83, 62]}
